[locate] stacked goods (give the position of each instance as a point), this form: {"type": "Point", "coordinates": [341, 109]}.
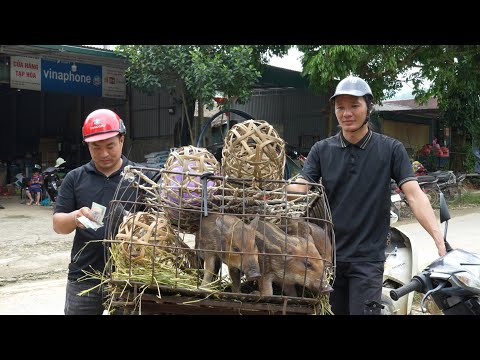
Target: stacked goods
{"type": "Point", "coordinates": [151, 270]}
{"type": "Point", "coordinates": [185, 187]}
{"type": "Point", "coordinates": [245, 224]}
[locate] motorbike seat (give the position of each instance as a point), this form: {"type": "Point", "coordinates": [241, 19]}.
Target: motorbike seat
{"type": "Point", "coordinates": [426, 178]}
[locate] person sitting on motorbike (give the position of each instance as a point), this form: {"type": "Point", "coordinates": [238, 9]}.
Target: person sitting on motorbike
{"type": "Point", "coordinates": [61, 164]}
{"type": "Point", "coordinates": [35, 186]}
{"type": "Point", "coordinates": [419, 169]}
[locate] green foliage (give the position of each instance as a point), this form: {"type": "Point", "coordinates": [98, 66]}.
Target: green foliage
{"type": "Point", "coordinates": [451, 70]}
{"type": "Point", "coordinates": [379, 65]}
{"type": "Point", "coordinates": [470, 198]}
{"type": "Point", "coordinates": [192, 73]}
{"type": "Point", "coordinates": [470, 160]}
{"type": "Point", "coordinates": [198, 70]}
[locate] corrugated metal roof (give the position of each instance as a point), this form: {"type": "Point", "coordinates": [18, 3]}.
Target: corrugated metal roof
{"type": "Point", "coordinates": [410, 107]}
{"type": "Point", "coordinates": [78, 53]}
{"type": "Point", "coordinates": [81, 49]}
{"type": "Point", "coordinates": [392, 107]}
{"type": "Point", "coordinates": [275, 77]}
{"type": "Point", "coordinates": [96, 47]}
{"type": "Point", "coordinates": [412, 104]}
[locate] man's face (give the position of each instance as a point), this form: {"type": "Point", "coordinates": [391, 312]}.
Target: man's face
{"type": "Point", "coordinates": [106, 153]}
{"type": "Point", "coordinates": [350, 111]}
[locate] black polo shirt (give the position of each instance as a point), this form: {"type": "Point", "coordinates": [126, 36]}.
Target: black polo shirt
{"type": "Point", "coordinates": [80, 188]}
{"type": "Point", "coordinates": [356, 178]}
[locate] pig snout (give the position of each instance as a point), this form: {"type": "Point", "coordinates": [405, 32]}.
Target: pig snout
{"type": "Point", "coordinates": [253, 275]}
{"type": "Point", "coordinates": [252, 270]}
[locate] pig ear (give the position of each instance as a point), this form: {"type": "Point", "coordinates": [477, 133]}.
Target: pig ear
{"type": "Point", "coordinates": [291, 248]}
{"type": "Point", "coordinates": [254, 222]}
{"type": "Point", "coordinates": [220, 222]}
{"type": "Point", "coordinates": [304, 229]}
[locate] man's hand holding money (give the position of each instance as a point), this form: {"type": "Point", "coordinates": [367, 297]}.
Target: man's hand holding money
{"type": "Point", "coordinates": [86, 218]}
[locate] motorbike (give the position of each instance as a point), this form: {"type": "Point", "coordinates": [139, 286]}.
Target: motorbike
{"type": "Point", "coordinates": [51, 181]}
{"type": "Point", "coordinates": [294, 158]}
{"type": "Point", "coordinates": [397, 199]}
{"type": "Point", "coordinates": [400, 264]}
{"type": "Point", "coordinates": [452, 281]}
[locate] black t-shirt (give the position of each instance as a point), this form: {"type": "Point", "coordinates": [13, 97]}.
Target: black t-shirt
{"type": "Point", "coordinates": [80, 188]}
{"type": "Point", "coordinates": [357, 178]}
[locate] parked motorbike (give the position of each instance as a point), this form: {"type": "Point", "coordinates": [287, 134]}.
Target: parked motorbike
{"type": "Point", "coordinates": [51, 182]}
{"type": "Point", "coordinates": [451, 281]}
{"type": "Point", "coordinates": [400, 265]}
{"type": "Point", "coordinates": [396, 198]}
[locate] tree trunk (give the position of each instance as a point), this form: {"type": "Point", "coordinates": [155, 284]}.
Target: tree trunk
{"type": "Point", "coordinates": [457, 151]}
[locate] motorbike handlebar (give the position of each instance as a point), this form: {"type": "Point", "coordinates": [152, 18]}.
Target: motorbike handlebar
{"type": "Point", "coordinates": [448, 248]}
{"type": "Point", "coordinates": [414, 285]}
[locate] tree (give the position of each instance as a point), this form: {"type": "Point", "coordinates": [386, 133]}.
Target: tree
{"type": "Point", "coordinates": [195, 73]}
{"type": "Point", "coordinates": [451, 70]}
{"type": "Point", "coordinates": [380, 65]}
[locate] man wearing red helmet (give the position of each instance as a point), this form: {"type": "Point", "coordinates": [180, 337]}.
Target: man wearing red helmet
{"type": "Point", "coordinates": [104, 133]}
{"type": "Point", "coordinates": [356, 167]}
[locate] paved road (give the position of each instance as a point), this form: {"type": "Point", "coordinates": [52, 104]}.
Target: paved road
{"type": "Point", "coordinates": [463, 232]}
{"type": "Point", "coordinates": [34, 260]}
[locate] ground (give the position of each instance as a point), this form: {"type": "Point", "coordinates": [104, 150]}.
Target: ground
{"type": "Point", "coordinates": [34, 259]}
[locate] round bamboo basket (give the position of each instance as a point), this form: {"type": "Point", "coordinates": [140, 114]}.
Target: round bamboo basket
{"type": "Point", "coordinates": [143, 234]}
{"type": "Point", "coordinates": [253, 149]}
{"type": "Point", "coordinates": [183, 187]}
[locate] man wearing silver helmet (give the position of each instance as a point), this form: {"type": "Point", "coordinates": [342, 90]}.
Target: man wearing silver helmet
{"type": "Point", "coordinates": [356, 167]}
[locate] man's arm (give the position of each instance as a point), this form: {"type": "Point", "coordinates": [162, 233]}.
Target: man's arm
{"type": "Point", "coordinates": [296, 190]}
{"type": "Point", "coordinates": [423, 212]}
{"type": "Point", "coordinates": [65, 223]}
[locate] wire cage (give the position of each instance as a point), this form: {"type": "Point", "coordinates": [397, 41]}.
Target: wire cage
{"type": "Point", "coordinates": [252, 251]}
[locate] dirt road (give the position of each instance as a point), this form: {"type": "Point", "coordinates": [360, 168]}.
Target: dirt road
{"type": "Point", "coordinates": [34, 260]}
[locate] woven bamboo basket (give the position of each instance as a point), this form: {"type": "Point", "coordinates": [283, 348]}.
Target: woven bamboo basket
{"type": "Point", "coordinates": [146, 241]}
{"type": "Point", "coordinates": [239, 196]}
{"type": "Point", "coordinates": [183, 189]}
{"type": "Point", "coordinates": [253, 149]}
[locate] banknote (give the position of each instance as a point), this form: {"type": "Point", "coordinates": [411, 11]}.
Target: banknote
{"type": "Point", "coordinates": [98, 212]}
{"type": "Point", "coordinates": [89, 224]}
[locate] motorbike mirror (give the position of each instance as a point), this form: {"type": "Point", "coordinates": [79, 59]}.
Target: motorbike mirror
{"type": "Point", "coordinates": [444, 213]}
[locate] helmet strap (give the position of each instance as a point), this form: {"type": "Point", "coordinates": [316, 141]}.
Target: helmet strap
{"type": "Point", "coordinates": [361, 126]}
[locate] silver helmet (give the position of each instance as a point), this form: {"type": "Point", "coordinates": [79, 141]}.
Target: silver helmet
{"type": "Point", "coordinates": [352, 85]}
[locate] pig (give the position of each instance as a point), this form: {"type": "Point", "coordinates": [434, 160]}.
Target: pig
{"type": "Point", "coordinates": [310, 231]}
{"type": "Point", "coordinates": [227, 238]}
{"type": "Point", "coordinates": [300, 263]}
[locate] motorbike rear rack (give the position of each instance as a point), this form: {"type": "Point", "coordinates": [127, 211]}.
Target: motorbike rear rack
{"type": "Point", "coordinates": [135, 301]}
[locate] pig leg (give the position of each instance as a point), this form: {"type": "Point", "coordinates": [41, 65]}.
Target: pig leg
{"type": "Point", "coordinates": [290, 290]}
{"type": "Point", "coordinates": [209, 266]}
{"type": "Point", "coordinates": [265, 286]}
{"type": "Point", "coordinates": [235, 276]}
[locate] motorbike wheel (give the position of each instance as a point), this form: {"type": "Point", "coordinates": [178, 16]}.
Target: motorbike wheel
{"type": "Point", "coordinates": [395, 210]}
{"type": "Point", "coordinates": [452, 193]}
{"type": "Point", "coordinates": [388, 309]}
{"type": "Point", "coordinates": [433, 195]}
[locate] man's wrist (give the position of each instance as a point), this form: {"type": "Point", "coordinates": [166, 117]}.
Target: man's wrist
{"type": "Point", "coordinates": [75, 218]}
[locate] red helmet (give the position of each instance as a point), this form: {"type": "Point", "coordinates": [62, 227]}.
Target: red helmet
{"type": "Point", "coordinates": [102, 124]}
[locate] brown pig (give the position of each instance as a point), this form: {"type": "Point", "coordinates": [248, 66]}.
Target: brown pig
{"type": "Point", "coordinates": [287, 260]}
{"type": "Point", "coordinates": [229, 239]}
{"type": "Point", "coordinates": [309, 230]}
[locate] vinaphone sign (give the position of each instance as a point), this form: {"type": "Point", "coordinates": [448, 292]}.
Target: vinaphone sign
{"type": "Point", "coordinates": [40, 74]}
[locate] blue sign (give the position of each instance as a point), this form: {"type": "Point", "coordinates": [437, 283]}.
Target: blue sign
{"type": "Point", "coordinates": [59, 77]}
